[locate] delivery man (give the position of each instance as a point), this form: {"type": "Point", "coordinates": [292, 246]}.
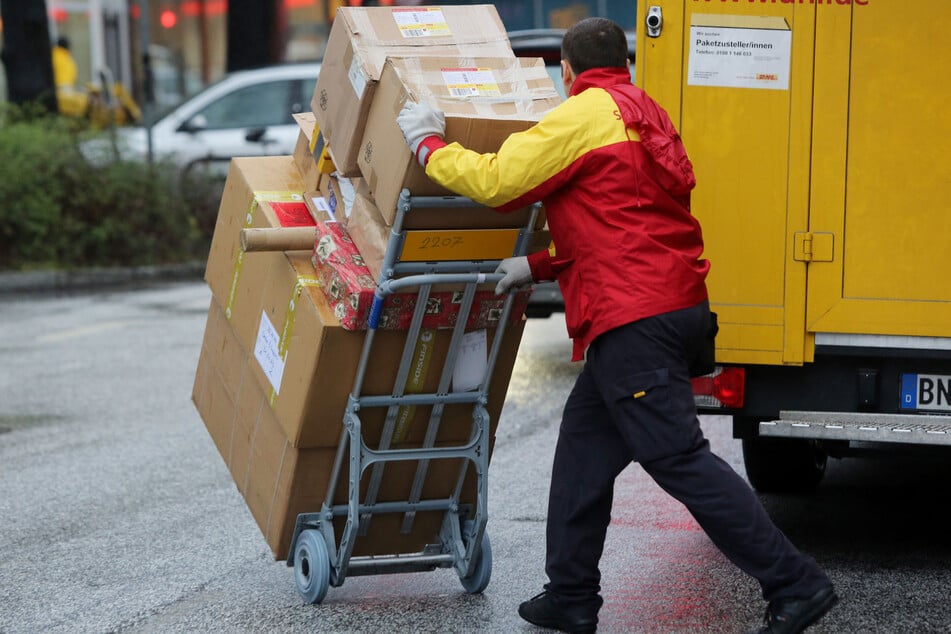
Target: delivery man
{"type": "Point", "coordinates": [615, 181]}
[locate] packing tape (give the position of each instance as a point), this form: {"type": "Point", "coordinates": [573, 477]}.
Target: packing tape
{"type": "Point", "coordinates": [289, 317]}
{"type": "Point", "coordinates": [422, 356]}
{"type": "Point", "coordinates": [256, 200]}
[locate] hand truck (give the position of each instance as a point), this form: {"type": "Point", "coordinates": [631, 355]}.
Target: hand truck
{"type": "Point", "coordinates": [318, 558]}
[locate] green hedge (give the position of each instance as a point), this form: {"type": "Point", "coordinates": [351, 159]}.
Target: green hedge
{"type": "Point", "coordinates": [60, 211]}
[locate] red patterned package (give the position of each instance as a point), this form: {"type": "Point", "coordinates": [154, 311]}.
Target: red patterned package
{"type": "Point", "coordinates": [349, 287]}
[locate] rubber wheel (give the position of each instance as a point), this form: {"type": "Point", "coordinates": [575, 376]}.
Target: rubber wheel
{"type": "Point", "coordinates": [476, 582]}
{"type": "Point", "coordinates": [784, 465]}
{"type": "Point", "coordinates": [311, 566]}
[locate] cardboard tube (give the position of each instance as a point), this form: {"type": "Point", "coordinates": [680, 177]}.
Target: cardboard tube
{"type": "Point", "coordinates": [278, 239]}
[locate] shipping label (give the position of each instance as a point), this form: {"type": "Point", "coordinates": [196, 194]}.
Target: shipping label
{"type": "Point", "coordinates": [471, 82]}
{"type": "Point", "coordinates": [471, 363]}
{"type": "Point", "coordinates": [422, 22]}
{"type": "Point", "coordinates": [267, 352]}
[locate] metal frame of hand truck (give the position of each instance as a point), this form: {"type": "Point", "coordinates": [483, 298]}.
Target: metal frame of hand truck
{"type": "Point", "coordinates": [464, 545]}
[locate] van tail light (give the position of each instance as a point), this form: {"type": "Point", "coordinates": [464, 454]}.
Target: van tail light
{"type": "Point", "coordinates": [724, 387]}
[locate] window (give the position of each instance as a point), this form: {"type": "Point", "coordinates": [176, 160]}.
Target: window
{"type": "Point", "coordinates": [260, 105]}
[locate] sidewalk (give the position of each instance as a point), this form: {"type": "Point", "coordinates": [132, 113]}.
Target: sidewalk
{"type": "Point", "coordinates": [85, 279]}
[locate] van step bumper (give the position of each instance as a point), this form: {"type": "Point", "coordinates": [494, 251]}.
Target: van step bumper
{"type": "Point", "coordinates": [897, 428]}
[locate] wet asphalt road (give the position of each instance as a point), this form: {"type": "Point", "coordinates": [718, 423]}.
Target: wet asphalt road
{"type": "Point", "coordinates": [118, 515]}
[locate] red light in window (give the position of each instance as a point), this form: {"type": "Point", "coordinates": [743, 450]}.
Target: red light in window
{"type": "Point", "coordinates": [298, 4]}
{"type": "Point", "coordinates": [168, 19]}
{"type": "Point", "coordinates": [60, 15]}
{"type": "Point", "coordinates": [194, 8]}
{"type": "Point", "coordinates": [135, 12]}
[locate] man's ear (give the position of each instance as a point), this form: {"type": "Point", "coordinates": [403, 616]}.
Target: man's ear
{"type": "Point", "coordinates": [567, 75]}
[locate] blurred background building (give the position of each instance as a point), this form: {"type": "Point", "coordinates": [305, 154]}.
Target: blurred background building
{"type": "Point", "coordinates": [165, 50]}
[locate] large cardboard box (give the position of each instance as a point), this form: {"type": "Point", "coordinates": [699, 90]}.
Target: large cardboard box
{"type": "Point", "coordinates": [484, 99]}
{"type": "Point", "coordinates": [360, 41]}
{"type": "Point", "coordinates": [260, 192]}
{"type": "Point", "coordinates": [279, 481]}
{"type": "Point", "coordinates": [304, 360]}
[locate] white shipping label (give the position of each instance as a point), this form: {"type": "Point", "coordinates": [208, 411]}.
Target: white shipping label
{"type": "Point", "coordinates": [357, 79]}
{"type": "Point", "coordinates": [471, 363]}
{"type": "Point", "coordinates": [471, 82]}
{"type": "Point", "coordinates": [321, 205]}
{"type": "Point", "coordinates": [267, 354]}
{"type": "Point", "coordinates": [422, 22]}
{"type": "Point", "coordinates": [739, 57]}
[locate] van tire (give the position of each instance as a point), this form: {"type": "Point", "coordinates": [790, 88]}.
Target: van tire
{"type": "Point", "coordinates": [784, 465]}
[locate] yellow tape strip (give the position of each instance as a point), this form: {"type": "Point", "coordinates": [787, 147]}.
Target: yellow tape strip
{"type": "Point", "coordinates": [466, 244]}
{"type": "Point", "coordinates": [321, 152]}
{"type": "Point", "coordinates": [289, 318]}
{"type": "Point", "coordinates": [260, 196]}
{"type": "Point", "coordinates": [422, 356]}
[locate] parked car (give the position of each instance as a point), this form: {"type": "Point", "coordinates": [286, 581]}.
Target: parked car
{"type": "Point", "coordinates": [246, 113]}
{"type": "Point", "coordinates": [546, 43]}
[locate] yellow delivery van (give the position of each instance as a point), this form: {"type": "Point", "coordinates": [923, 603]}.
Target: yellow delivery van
{"type": "Point", "coordinates": [820, 137]}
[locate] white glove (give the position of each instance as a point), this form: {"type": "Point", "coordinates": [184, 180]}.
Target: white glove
{"type": "Point", "coordinates": [517, 274]}
{"type": "Point", "coordinates": [418, 121]}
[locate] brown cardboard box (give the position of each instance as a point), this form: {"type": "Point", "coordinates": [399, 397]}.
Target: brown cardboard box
{"type": "Point", "coordinates": [304, 359]}
{"type": "Point", "coordinates": [259, 192]}
{"type": "Point", "coordinates": [311, 155]}
{"type": "Point", "coordinates": [279, 481]}
{"type": "Point", "coordinates": [502, 96]}
{"type": "Point", "coordinates": [339, 193]}
{"type": "Point", "coordinates": [360, 40]}
{"type": "Point", "coordinates": [370, 232]}
{"type": "Point", "coordinates": [307, 362]}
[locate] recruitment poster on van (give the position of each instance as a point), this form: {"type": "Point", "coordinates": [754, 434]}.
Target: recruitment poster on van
{"type": "Point", "coordinates": [739, 57]}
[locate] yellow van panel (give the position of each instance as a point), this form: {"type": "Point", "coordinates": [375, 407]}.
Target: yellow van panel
{"type": "Point", "coordinates": [882, 180]}
{"type": "Point", "coordinates": [852, 156]}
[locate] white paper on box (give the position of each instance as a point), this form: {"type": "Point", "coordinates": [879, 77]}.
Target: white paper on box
{"type": "Point", "coordinates": [471, 82]}
{"type": "Point", "coordinates": [357, 79]}
{"type": "Point", "coordinates": [321, 205]}
{"type": "Point", "coordinates": [423, 22]}
{"type": "Point", "coordinates": [267, 354]}
{"type": "Point", "coordinates": [471, 363]}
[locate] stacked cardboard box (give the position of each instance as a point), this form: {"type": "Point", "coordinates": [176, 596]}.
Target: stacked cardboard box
{"type": "Point", "coordinates": [277, 366]}
{"type": "Point", "coordinates": [277, 363]}
{"type": "Point", "coordinates": [457, 59]}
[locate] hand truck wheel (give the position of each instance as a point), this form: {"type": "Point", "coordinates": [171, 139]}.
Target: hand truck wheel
{"type": "Point", "coordinates": [311, 566]}
{"type": "Point", "coordinates": [481, 573]}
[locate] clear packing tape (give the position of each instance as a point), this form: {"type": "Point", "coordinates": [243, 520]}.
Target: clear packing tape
{"type": "Point", "coordinates": [485, 87]}
{"type": "Point", "coordinates": [410, 28]}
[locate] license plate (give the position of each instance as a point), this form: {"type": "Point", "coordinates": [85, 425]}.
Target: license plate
{"type": "Point", "coordinates": [930, 392]}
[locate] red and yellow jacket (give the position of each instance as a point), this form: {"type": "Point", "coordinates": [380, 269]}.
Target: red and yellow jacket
{"type": "Point", "coordinates": [615, 181]}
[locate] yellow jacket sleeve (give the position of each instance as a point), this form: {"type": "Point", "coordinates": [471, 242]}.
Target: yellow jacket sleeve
{"type": "Point", "coordinates": [530, 164]}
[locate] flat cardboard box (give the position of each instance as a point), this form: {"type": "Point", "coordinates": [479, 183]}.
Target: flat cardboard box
{"type": "Point", "coordinates": [360, 40]}
{"type": "Point", "coordinates": [371, 234]}
{"type": "Point", "coordinates": [311, 155]}
{"type": "Point", "coordinates": [502, 96]}
{"type": "Point", "coordinates": [279, 481]}
{"type": "Point", "coordinates": [305, 361]}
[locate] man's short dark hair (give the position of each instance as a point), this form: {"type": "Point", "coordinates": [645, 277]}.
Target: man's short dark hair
{"type": "Point", "coordinates": [594, 43]}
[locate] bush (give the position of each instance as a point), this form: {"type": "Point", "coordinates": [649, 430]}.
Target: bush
{"type": "Point", "coordinates": [61, 211]}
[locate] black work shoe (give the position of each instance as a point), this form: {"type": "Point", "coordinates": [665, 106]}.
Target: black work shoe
{"type": "Point", "coordinates": [790, 616]}
{"type": "Point", "coordinates": [544, 610]}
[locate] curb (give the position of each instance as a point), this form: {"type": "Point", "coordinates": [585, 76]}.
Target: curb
{"type": "Point", "coordinates": [84, 279]}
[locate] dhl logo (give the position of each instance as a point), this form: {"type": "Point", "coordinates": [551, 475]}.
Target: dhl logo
{"type": "Point", "coordinates": [767, 77]}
